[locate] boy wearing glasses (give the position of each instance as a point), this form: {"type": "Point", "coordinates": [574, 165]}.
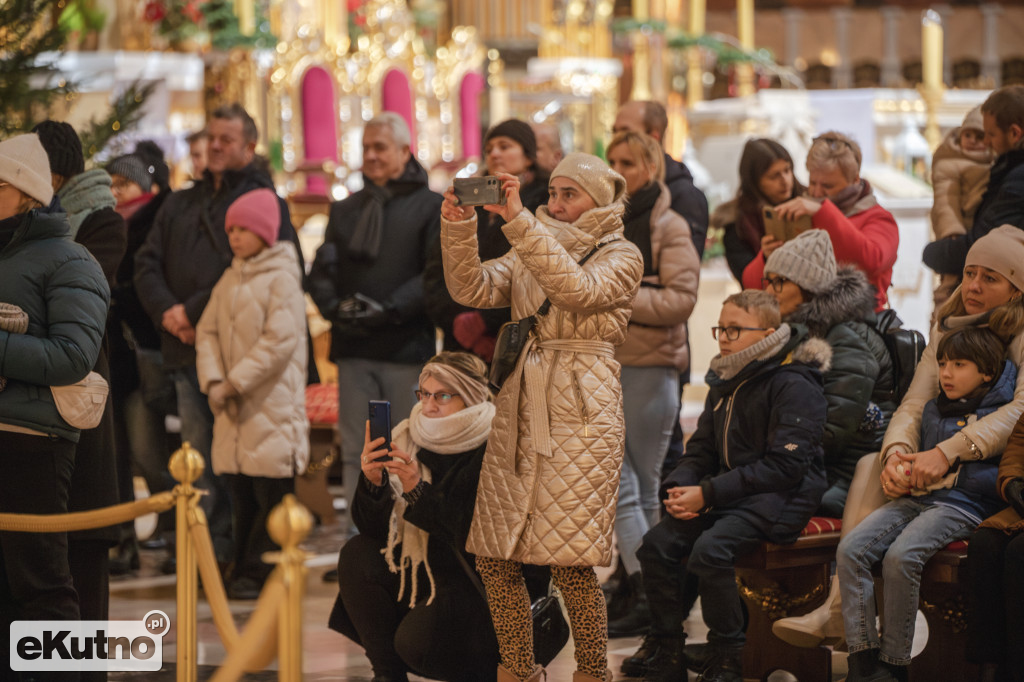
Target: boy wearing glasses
{"type": "Point", "coordinates": [753, 472]}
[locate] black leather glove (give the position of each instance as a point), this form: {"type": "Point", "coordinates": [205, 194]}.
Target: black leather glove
{"type": "Point", "coordinates": [1015, 495]}
{"type": "Point", "coordinates": [359, 307]}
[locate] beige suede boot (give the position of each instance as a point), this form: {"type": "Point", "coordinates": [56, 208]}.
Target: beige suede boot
{"type": "Point", "coordinates": [539, 675]}
{"type": "Point", "coordinates": [811, 629]}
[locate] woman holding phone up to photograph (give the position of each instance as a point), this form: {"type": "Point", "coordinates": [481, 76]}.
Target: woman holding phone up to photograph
{"type": "Point", "coordinates": [550, 476]}
{"type": "Point", "coordinates": [843, 204]}
{"type": "Point", "coordinates": [414, 609]}
{"type": "Point", "coordinates": [766, 179]}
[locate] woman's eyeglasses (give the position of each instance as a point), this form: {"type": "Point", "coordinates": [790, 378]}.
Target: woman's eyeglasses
{"type": "Point", "coordinates": [733, 333]}
{"type": "Point", "coordinates": [776, 283]}
{"type": "Point", "coordinates": [441, 397]}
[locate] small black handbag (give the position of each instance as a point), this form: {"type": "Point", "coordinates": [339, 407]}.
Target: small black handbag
{"type": "Point", "coordinates": [512, 338]}
{"type": "Point", "coordinates": [550, 630]}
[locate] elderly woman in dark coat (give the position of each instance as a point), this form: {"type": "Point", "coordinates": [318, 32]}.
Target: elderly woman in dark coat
{"type": "Point", "coordinates": [56, 298]}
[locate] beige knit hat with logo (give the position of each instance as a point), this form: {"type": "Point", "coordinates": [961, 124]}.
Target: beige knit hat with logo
{"type": "Point", "coordinates": [592, 174]}
{"type": "Point", "coordinates": [806, 260]}
{"type": "Point", "coordinates": [24, 164]}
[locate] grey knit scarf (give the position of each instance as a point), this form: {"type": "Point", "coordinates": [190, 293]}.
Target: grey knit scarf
{"type": "Point", "coordinates": [726, 367]}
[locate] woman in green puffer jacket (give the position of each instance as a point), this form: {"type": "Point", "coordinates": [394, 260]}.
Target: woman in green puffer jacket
{"type": "Point", "coordinates": [62, 290]}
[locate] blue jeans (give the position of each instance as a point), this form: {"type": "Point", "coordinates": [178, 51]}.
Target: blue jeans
{"type": "Point", "coordinates": [650, 403]}
{"type": "Point", "coordinates": [197, 429]}
{"type": "Point", "coordinates": [903, 535]}
{"type": "Point", "coordinates": [360, 381]}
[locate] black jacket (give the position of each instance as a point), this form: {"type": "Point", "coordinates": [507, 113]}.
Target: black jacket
{"type": "Point", "coordinates": [445, 510]}
{"type": "Point", "coordinates": [412, 224]}
{"type": "Point", "coordinates": [1003, 201]}
{"type": "Point", "coordinates": [860, 373]}
{"type": "Point", "coordinates": [757, 449]}
{"type": "Point", "coordinates": [187, 251]}
{"type": "Point", "coordinates": [687, 201]}
{"type": "Point", "coordinates": [493, 244]}
{"type": "Point", "coordinates": [94, 480]}
{"type": "Point", "coordinates": [126, 309]}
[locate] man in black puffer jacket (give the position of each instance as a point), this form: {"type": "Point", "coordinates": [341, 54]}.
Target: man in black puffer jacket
{"type": "Point", "coordinates": [184, 255]}
{"type": "Point", "coordinates": [367, 279]}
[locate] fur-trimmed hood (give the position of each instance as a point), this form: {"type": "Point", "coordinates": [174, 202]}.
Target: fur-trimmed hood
{"type": "Point", "coordinates": [851, 298]}
{"type": "Point", "coordinates": [815, 352]}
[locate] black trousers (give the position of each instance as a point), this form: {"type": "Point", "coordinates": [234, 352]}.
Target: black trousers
{"type": "Point", "coordinates": [35, 581]}
{"type": "Point", "coordinates": [252, 499]}
{"type": "Point", "coordinates": [995, 614]}
{"type": "Point", "coordinates": [710, 543]}
{"type": "Point", "coordinates": [450, 639]}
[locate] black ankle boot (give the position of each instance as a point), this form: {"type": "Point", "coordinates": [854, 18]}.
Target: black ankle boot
{"type": "Point", "coordinates": [668, 662]}
{"type": "Point", "coordinates": [124, 557]}
{"type": "Point", "coordinates": [864, 667]}
{"type": "Point", "coordinates": [636, 620]}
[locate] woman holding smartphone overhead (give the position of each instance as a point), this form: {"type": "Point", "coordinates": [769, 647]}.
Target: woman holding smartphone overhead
{"type": "Point", "coordinates": [550, 475]}
{"type": "Point", "coordinates": [403, 592]}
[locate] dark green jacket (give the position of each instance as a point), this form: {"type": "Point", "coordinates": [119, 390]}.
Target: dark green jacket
{"type": "Point", "coordinates": [860, 374]}
{"type": "Point", "coordinates": [62, 289]}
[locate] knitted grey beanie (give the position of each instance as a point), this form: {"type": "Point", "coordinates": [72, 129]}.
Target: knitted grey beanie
{"type": "Point", "coordinates": [807, 260]}
{"type": "Point", "coordinates": [133, 168]}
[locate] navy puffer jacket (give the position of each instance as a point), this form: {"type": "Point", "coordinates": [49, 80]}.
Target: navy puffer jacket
{"type": "Point", "coordinates": [757, 449]}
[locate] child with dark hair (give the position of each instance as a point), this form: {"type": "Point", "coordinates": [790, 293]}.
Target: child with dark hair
{"type": "Point", "coordinates": [753, 472]}
{"type": "Point", "coordinates": [975, 379]}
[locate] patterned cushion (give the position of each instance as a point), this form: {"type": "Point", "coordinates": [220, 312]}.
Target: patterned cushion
{"type": "Point", "coordinates": [322, 403]}
{"type": "Point", "coordinates": [822, 524]}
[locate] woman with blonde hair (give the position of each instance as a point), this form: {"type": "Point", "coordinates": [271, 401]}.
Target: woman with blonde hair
{"type": "Point", "coordinates": [653, 355]}
{"type": "Point", "coordinates": [843, 204]}
{"type": "Point", "coordinates": [550, 475]}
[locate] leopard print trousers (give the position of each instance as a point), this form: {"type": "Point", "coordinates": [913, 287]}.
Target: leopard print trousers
{"type": "Point", "coordinates": [509, 603]}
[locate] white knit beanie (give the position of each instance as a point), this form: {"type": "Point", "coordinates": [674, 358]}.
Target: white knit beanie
{"type": "Point", "coordinates": [973, 119]}
{"type": "Point", "coordinates": [24, 164]}
{"type": "Point", "coordinates": [806, 260]}
{"type": "Point", "coordinates": [592, 174]}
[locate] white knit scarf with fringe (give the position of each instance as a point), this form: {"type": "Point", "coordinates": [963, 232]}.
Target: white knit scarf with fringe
{"type": "Point", "coordinates": [460, 432]}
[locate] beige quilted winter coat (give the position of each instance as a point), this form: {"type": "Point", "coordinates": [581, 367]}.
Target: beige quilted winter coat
{"type": "Point", "coordinates": [253, 334]}
{"type": "Point", "coordinates": [550, 476]}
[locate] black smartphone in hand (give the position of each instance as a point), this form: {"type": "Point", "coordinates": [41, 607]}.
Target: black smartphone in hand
{"type": "Point", "coordinates": [380, 425]}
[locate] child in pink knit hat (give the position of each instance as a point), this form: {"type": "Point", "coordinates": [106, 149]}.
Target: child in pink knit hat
{"type": "Point", "coordinates": [251, 359]}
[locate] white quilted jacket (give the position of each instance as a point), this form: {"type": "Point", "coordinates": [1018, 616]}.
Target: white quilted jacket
{"type": "Point", "coordinates": [550, 476]}
{"type": "Point", "coordinates": [253, 334]}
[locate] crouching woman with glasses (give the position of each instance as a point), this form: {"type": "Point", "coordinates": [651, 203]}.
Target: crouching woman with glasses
{"type": "Point", "coordinates": [404, 594]}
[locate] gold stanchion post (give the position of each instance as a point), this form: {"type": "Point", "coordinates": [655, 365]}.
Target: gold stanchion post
{"type": "Point", "coordinates": [289, 524]}
{"type": "Point", "coordinates": [186, 467]}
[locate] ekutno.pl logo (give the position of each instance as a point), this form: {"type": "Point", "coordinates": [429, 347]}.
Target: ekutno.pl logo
{"type": "Point", "coordinates": [111, 645]}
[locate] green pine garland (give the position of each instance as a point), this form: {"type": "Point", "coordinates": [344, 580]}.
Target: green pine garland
{"type": "Point", "coordinates": [28, 84]}
{"type": "Point", "coordinates": [125, 114]}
